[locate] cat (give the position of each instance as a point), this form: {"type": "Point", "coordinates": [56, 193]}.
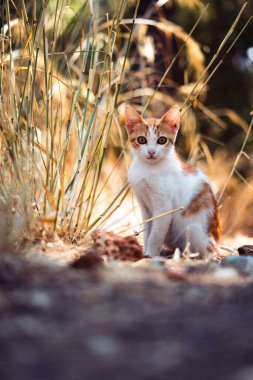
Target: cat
{"type": "Point", "coordinates": [163, 181]}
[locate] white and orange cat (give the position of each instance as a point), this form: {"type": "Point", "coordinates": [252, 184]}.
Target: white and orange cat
{"type": "Point", "coordinates": [162, 181]}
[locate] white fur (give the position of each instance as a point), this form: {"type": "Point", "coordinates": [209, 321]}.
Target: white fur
{"type": "Point", "coordinates": [161, 185]}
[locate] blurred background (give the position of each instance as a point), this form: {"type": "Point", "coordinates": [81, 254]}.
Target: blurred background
{"type": "Point", "coordinates": [68, 68]}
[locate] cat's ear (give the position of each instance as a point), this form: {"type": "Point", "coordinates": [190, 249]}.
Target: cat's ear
{"type": "Point", "coordinates": [171, 120]}
{"type": "Point", "coordinates": [132, 119]}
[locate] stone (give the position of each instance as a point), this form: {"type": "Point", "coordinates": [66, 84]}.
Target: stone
{"type": "Point", "coordinates": [246, 250]}
{"type": "Point", "coordinates": [89, 260]}
{"type": "Point", "coordinates": [116, 246]}
{"type": "Point", "coordinates": [41, 299]}
{"type": "Point", "coordinates": [241, 263]}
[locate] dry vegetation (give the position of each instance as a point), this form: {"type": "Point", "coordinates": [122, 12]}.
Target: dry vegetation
{"type": "Point", "coordinates": [68, 68]}
{"type": "Point", "coordinates": [66, 74]}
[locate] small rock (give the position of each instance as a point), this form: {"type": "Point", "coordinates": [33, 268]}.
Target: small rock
{"type": "Point", "coordinates": [116, 246]}
{"type": "Point", "coordinates": [241, 263]}
{"type": "Point", "coordinates": [90, 260]}
{"type": "Point", "coordinates": [246, 250]}
{"type": "Point", "coordinates": [40, 299]}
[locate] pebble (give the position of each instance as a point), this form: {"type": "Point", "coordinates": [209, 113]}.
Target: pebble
{"type": "Point", "coordinates": [90, 260]}
{"type": "Point", "coordinates": [246, 250]}
{"type": "Point", "coordinates": [40, 299]}
{"type": "Point", "coordinates": [241, 263]}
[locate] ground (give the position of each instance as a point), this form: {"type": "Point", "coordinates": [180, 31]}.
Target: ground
{"type": "Point", "coordinates": [152, 319]}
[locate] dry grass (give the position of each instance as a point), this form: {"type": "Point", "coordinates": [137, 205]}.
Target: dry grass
{"type": "Point", "coordinates": [63, 88]}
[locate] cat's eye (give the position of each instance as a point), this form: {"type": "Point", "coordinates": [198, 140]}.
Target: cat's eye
{"type": "Point", "coordinates": [142, 140]}
{"type": "Point", "coordinates": [162, 140]}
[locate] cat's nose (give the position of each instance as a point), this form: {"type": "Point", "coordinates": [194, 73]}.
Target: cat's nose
{"type": "Point", "coordinates": [151, 152]}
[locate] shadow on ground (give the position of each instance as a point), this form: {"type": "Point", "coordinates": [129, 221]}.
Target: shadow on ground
{"type": "Point", "coordinates": [64, 323]}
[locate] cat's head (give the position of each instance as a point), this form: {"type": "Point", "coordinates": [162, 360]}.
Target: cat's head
{"type": "Point", "coordinates": [152, 139]}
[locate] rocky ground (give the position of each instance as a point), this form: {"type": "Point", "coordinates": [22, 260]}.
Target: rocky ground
{"type": "Point", "coordinates": [145, 319]}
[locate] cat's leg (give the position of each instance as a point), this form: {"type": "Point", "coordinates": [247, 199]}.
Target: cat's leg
{"type": "Point", "coordinates": [159, 230]}
{"type": "Point", "coordinates": [200, 241]}
{"type": "Point", "coordinates": [146, 213]}
{"type": "Point", "coordinates": [146, 226]}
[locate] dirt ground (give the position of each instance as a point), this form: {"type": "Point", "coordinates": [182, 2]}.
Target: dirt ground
{"type": "Point", "coordinates": [125, 322]}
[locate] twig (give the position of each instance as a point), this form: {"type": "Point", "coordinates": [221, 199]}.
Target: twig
{"type": "Point", "coordinates": [236, 161]}
{"type": "Point", "coordinates": [213, 71]}
{"type": "Point", "coordinates": [151, 219]}
{"type": "Point", "coordinates": [229, 33]}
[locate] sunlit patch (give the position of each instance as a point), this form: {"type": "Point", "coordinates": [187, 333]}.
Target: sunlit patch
{"type": "Point", "coordinates": [148, 50]}
{"type": "Point", "coordinates": [187, 167]}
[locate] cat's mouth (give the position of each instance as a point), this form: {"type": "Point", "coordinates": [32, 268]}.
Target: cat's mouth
{"type": "Point", "coordinates": [151, 158]}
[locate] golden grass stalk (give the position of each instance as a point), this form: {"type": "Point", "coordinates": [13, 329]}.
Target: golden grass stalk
{"type": "Point", "coordinates": [218, 64]}
{"type": "Point", "coordinates": [236, 161]}
{"type": "Point", "coordinates": [61, 132]}
{"type": "Point", "coordinates": [151, 219]}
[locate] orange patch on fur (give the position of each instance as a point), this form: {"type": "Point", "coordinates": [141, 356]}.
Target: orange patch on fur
{"type": "Point", "coordinates": [138, 130]}
{"type": "Point", "coordinates": [169, 133]}
{"type": "Point", "coordinates": [134, 143]}
{"type": "Point", "coordinates": [202, 200]}
{"type": "Point", "coordinates": [214, 228]}
{"type": "Point", "coordinates": [187, 167]}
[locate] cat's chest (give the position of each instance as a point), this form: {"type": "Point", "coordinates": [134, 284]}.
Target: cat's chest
{"type": "Point", "coordinates": [151, 181]}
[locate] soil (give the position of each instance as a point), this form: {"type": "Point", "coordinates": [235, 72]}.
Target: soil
{"type": "Point", "coordinates": [125, 322]}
